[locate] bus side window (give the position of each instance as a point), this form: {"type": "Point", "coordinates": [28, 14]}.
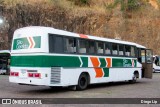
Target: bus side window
{"type": "Point", "coordinates": [100, 47]}
{"type": "Point", "coordinates": [121, 50]}
{"type": "Point", "coordinates": [107, 48]}
{"type": "Point", "coordinates": [55, 44]}
{"type": "Point", "coordinates": [127, 50]}
{"type": "Point", "coordinates": [70, 45]}
{"type": "Point", "coordinates": [91, 47]}
{"type": "Point", "coordinates": [133, 51]}
{"type": "Point", "coordinates": [82, 46]}
{"type": "Point", "coordinates": [114, 49]}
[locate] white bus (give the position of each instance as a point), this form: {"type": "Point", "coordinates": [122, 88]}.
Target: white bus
{"type": "Point", "coordinates": [52, 57]}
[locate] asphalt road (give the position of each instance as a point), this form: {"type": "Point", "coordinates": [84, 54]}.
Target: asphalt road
{"type": "Point", "coordinates": [144, 88]}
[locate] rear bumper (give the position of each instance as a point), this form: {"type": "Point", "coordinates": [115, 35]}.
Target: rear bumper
{"type": "Point", "coordinates": [31, 81]}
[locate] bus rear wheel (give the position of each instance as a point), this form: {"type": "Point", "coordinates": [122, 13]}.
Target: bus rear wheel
{"type": "Point", "coordinates": [134, 79]}
{"type": "Point", "coordinates": [82, 82]}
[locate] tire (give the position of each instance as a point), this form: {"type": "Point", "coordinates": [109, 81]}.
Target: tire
{"type": "Point", "coordinates": [82, 82]}
{"type": "Point", "coordinates": [134, 79]}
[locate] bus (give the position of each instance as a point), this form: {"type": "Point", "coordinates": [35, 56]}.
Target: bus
{"type": "Point", "coordinates": [4, 61]}
{"type": "Point", "coordinates": [156, 63]}
{"type": "Point", "coordinates": [52, 57]}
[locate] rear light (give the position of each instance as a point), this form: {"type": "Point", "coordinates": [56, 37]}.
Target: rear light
{"type": "Point", "coordinates": [14, 74]}
{"type": "Point", "coordinates": [30, 74]}
{"type": "Point", "coordinates": [11, 73]}
{"type": "Point", "coordinates": [37, 75]}
{"type": "Point", "coordinates": [34, 75]}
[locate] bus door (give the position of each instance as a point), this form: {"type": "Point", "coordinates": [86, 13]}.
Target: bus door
{"type": "Point", "coordinates": [147, 63]}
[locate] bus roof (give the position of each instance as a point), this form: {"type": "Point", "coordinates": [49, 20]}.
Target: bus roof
{"type": "Point", "coordinates": [5, 51]}
{"type": "Point", "coordinates": [49, 30]}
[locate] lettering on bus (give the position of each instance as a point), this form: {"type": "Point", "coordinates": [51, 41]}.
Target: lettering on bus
{"type": "Point", "coordinates": [126, 63]}
{"type": "Point", "coordinates": [27, 43]}
{"type": "Point", "coordinates": [21, 45]}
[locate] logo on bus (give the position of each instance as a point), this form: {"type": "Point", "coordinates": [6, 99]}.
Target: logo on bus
{"type": "Point", "coordinates": [126, 63]}
{"type": "Point", "coordinates": [21, 45]}
{"type": "Point", "coordinates": [27, 43]}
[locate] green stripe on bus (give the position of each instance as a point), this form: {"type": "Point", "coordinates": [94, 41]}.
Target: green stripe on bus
{"type": "Point", "coordinates": [123, 62]}
{"type": "Point", "coordinates": [85, 61]}
{"type": "Point", "coordinates": [103, 62]}
{"type": "Point", "coordinates": [106, 72]}
{"type": "Point", "coordinates": [117, 62]}
{"type": "Point", "coordinates": [135, 63]}
{"type": "Point", "coordinates": [45, 61]}
{"type": "Point", "coordinates": [65, 61]}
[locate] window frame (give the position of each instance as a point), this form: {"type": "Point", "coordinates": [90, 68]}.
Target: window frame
{"type": "Point", "coordinates": [110, 47]}
{"type": "Point", "coordinates": [122, 50]}
{"type": "Point", "coordinates": [96, 46]}
{"type": "Point", "coordinates": [135, 51]}
{"type": "Point", "coordinates": [67, 37]}
{"type": "Point", "coordinates": [77, 40]}
{"type": "Point", "coordinates": [117, 49]}
{"type": "Point", "coordinates": [88, 45]}
{"type": "Point", "coordinates": [52, 43]}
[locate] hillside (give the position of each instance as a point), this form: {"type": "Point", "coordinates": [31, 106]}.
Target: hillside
{"type": "Point", "coordinates": [131, 20]}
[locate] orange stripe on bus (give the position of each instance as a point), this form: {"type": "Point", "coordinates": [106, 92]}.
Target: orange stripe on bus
{"type": "Point", "coordinates": [108, 60]}
{"type": "Point", "coordinates": [99, 72]}
{"type": "Point", "coordinates": [95, 62]}
{"type": "Point", "coordinates": [31, 42]}
{"type": "Point", "coordinates": [83, 36]}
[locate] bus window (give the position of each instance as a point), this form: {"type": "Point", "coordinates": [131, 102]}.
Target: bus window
{"type": "Point", "coordinates": [143, 59]}
{"type": "Point", "coordinates": [107, 48]}
{"type": "Point", "coordinates": [70, 45]}
{"type": "Point", "coordinates": [100, 47]}
{"type": "Point", "coordinates": [127, 50]}
{"type": "Point", "coordinates": [121, 50]}
{"type": "Point", "coordinates": [91, 47]}
{"type": "Point", "coordinates": [83, 46]}
{"type": "Point", "coordinates": [55, 44]}
{"type": "Point", "coordinates": [133, 53]}
{"type": "Point", "coordinates": [149, 56]}
{"type": "Point", "coordinates": [114, 49]}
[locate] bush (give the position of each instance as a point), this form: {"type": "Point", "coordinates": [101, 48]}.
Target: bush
{"type": "Point", "coordinates": [81, 2]}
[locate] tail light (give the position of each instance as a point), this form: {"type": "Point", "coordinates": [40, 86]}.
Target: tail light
{"type": "Point", "coordinates": [11, 73]}
{"type": "Point", "coordinates": [37, 75]}
{"type": "Point", "coordinates": [30, 74]}
{"type": "Point", "coordinates": [14, 74]}
{"type": "Point", "coordinates": [34, 75]}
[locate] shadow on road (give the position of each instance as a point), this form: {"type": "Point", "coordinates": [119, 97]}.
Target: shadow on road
{"type": "Point", "coordinates": [45, 90]}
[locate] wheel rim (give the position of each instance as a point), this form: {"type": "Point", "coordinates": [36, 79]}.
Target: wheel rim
{"type": "Point", "coordinates": [134, 78]}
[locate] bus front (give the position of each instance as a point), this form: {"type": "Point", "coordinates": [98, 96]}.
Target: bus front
{"type": "Point", "coordinates": [29, 44]}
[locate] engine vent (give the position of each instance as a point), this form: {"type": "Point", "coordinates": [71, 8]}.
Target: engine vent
{"type": "Point", "coordinates": [55, 75]}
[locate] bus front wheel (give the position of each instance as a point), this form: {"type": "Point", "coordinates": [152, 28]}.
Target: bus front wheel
{"type": "Point", "coordinates": [82, 82]}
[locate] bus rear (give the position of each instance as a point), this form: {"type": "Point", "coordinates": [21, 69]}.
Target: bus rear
{"type": "Point", "coordinates": [26, 62]}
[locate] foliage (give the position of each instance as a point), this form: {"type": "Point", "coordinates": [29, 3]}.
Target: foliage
{"type": "Point", "coordinates": [81, 2]}
{"type": "Point", "coordinates": [126, 5]}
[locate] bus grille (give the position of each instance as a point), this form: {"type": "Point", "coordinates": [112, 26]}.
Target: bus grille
{"type": "Point", "coordinates": [55, 75]}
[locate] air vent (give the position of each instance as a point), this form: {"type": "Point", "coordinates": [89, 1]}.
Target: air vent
{"type": "Point", "coordinates": [55, 75]}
